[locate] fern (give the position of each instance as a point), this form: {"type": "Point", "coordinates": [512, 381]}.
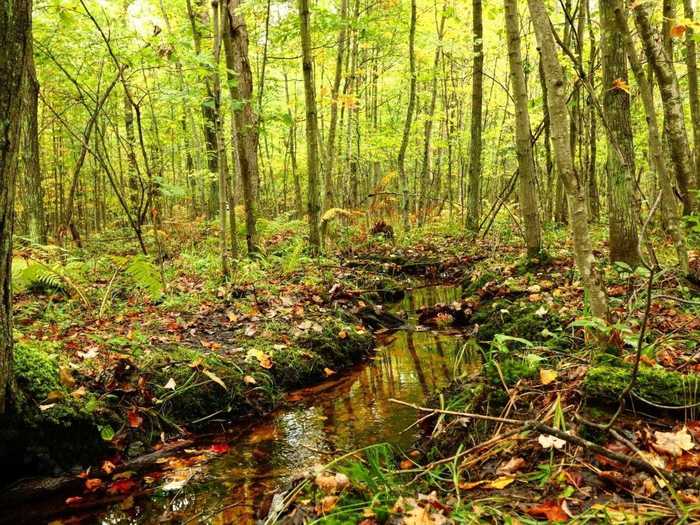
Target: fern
{"type": "Point", "coordinates": [145, 275]}
{"type": "Point", "coordinates": [38, 277]}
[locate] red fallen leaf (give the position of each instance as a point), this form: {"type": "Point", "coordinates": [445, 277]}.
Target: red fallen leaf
{"type": "Point", "coordinates": [135, 419]}
{"type": "Point", "coordinates": [550, 510]}
{"type": "Point", "coordinates": [122, 486]}
{"type": "Point", "coordinates": [220, 448]}
{"type": "Point", "coordinates": [74, 500]}
{"type": "Point", "coordinates": [92, 484]}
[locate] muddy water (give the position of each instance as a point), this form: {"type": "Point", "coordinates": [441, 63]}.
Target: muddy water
{"type": "Point", "coordinates": [348, 413]}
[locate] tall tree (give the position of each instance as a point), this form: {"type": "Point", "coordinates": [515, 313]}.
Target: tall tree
{"type": "Point", "coordinates": [619, 166]}
{"type": "Point", "coordinates": [529, 206]}
{"type": "Point", "coordinates": [240, 82]}
{"type": "Point", "coordinates": [15, 37]}
{"type": "Point", "coordinates": [692, 64]}
{"type": "Point", "coordinates": [314, 206]}
{"type": "Point", "coordinates": [674, 121]}
{"type": "Point", "coordinates": [474, 191]}
{"type": "Point", "coordinates": [333, 124]}
{"type": "Point", "coordinates": [403, 178]}
{"type": "Point", "coordinates": [654, 138]}
{"type": "Point", "coordinates": [561, 142]}
{"type": "Point", "coordinates": [34, 194]}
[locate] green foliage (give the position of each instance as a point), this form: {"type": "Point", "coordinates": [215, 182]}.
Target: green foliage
{"type": "Point", "coordinates": [38, 277]}
{"type": "Point", "coordinates": [145, 275]}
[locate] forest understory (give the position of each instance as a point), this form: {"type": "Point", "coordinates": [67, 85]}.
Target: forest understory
{"type": "Point", "coordinates": [150, 384]}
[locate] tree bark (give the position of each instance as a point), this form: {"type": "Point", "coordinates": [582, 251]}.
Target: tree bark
{"type": "Point", "coordinates": [403, 178]}
{"type": "Point", "coordinates": [15, 38]}
{"type": "Point", "coordinates": [619, 166]}
{"type": "Point", "coordinates": [655, 145]}
{"type": "Point", "coordinates": [561, 141]}
{"type": "Point", "coordinates": [195, 15]}
{"type": "Point", "coordinates": [529, 206]}
{"type": "Point", "coordinates": [475, 147]}
{"type": "Point", "coordinates": [692, 63]}
{"type": "Point", "coordinates": [34, 195]}
{"type": "Point", "coordinates": [333, 124]}
{"type": "Point", "coordinates": [672, 103]}
{"type": "Point", "coordinates": [240, 81]}
{"type": "Point", "coordinates": [313, 205]}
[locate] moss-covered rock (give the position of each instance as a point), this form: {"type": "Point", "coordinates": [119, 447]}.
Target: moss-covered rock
{"type": "Point", "coordinates": [45, 427]}
{"type": "Point", "coordinates": [521, 319]}
{"type": "Point", "coordinates": [605, 383]}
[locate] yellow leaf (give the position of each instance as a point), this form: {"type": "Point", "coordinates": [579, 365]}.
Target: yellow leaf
{"type": "Point", "coordinates": [621, 84]}
{"type": "Point", "coordinates": [501, 483]}
{"type": "Point", "coordinates": [211, 375]}
{"type": "Point", "coordinates": [66, 377]}
{"type": "Point", "coordinates": [547, 376]}
{"type": "Point", "coordinates": [264, 359]}
{"type": "Point", "coordinates": [249, 380]}
{"type": "Point", "coordinates": [328, 372]}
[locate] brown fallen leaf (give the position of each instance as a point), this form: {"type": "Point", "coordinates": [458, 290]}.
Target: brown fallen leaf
{"type": "Point", "coordinates": [92, 484]}
{"type": "Point", "coordinates": [326, 505]}
{"type": "Point", "coordinates": [673, 443]}
{"type": "Point", "coordinates": [511, 466]}
{"type": "Point", "coordinates": [550, 510]}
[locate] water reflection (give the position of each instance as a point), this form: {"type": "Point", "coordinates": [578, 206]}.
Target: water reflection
{"type": "Point", "coordinates": [352, 412]}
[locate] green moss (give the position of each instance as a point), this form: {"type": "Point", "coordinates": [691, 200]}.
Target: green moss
{"type": "Point", "coordinates": [513, 370]}
{"type": "Point", "coordinates": [520, 319]}
{"type": "Point", "coordinates": [605, 384]}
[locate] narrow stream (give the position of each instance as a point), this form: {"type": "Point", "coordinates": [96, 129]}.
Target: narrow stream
{"type": "Point", "coordinates": [348, 413]}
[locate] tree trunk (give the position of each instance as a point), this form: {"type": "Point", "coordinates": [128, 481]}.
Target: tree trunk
{"type": "Point", "coordinates": [655, 148]}
{"type": "Point", "coordinates": [619, 167]}
{"type": "Point", "coordinates": [692, 63]}
{"type": "Point", "coordinates": [475, 147]}
{"type": "Point", "coordinates": [529, 207]}
{"type": "Point", "coordinates": [220, 144]}
{"type": "Point", "coordinates": [314, 207]}
{"type": "Point", "coordinates": [34, 195]}
{"type": "Point", "coordinates": [672, 103]}
{"type": "Point", "coordinates": [207, 107]}
{"type": "Point", "coordinates": [15, 38]}
{"type": "Point", "coordinates": [403, 178]}
{"type": "Point", "coordinates": [561, 141]}
{"type": "Point", "coordinates": [333, 124]}
{"type": "Point", "coordinates": [424, 202]}
{"type": "Point", "coordinates": [240, 81]}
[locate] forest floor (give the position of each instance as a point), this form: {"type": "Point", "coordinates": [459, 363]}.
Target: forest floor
{"type": "Point", "coordinates": [112, 367]}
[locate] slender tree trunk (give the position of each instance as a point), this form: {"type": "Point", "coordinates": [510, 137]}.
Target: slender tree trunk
{"type": "Point", "coordinates": [592, 179]}
{"type": "Point", "coordinates": [551, 201]}
{"type": "Point", "coordinates": [672, 103]}
{"type": "Point", "coordinates": [424, 203]}
{"type": "Point", "coordinates": [34, 195]}
{"type": "Point", "coordinates": [403, 178]}
{"type": "Point", "coordinates": [529, 207]}
{"type": "Point", "coordinates": [240, 81]}
{"type": "Point", "coordinates": [655, 146]}
{"type": "Point", "coordinates": [219, 132]}
{"type": "Point", "coordinates": [576, 192]}
{"type": "Point", "coordinates": [314, 207]}
{"type": "Point", "coordinates": [474, 190]}
{"type": "Point", "coordinates": [195, 15]}
{"type": "Point", "coordinates": [333, 124]}
{"type": "Point", "coordinates": [619, 167]}
{"type": "Point", "coordinates": [692, 63]}
{"type": "Point", "coordinates": [15, 38]}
